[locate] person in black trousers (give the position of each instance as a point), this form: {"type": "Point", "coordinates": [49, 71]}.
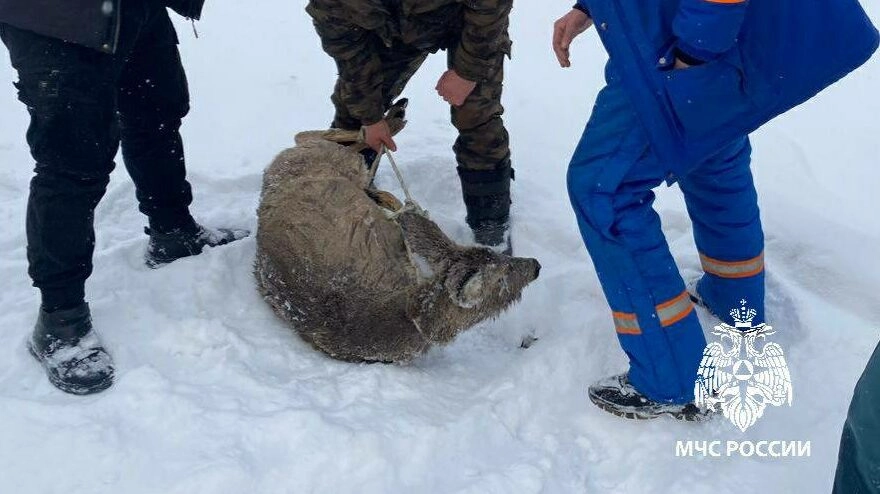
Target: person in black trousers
{"type": "Point", "coordinates": [94, 74]}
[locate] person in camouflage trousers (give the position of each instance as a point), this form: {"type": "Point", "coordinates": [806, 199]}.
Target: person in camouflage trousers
{"type": "Point", "coordinates": [379, 44]}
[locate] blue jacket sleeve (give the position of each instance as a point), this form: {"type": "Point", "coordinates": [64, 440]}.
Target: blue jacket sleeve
{"type": "Point", "coordinates": [707, 28]}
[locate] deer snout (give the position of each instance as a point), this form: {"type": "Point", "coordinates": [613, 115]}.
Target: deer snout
{"type": "Point", "coordinates": [529, 269]}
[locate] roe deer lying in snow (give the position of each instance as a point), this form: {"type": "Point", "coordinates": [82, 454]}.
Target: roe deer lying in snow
{"type": "Point", "coordinates": [356, 274]}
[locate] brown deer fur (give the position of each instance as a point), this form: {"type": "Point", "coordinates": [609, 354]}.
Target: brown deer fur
{"type": "Point", "coordinates": [358, 281]}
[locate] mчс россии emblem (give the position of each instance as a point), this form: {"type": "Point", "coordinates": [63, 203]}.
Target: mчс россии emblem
{"type": "Point", "coordinates": [744, 372]}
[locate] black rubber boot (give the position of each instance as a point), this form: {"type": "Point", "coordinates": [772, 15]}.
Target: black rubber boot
{"type": "Point", "coordinates": [70, 351]}
{"type": "Point", "coordinates": [487, 199]}
{"type": "Point", "coordinates": [170, 246]}
{"type": "Point", "coordinates": [617, 396]}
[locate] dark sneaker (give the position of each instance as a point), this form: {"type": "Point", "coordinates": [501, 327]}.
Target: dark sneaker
{"type": "Point", "coordinates": [494, 235]}
{"type": "Point", "coordinates": [168, 247]}
{"type": "Point", "coordinates": [70, 351]}
{"type": "Point", "coordinates": [616, 395]}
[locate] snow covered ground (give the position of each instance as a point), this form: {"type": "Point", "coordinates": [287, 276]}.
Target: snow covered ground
{"type": "Point", "coordinates": [215, 395]}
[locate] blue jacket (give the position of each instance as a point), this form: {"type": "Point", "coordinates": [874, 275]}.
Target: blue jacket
{"type": "Point", "coordinates": [763, 57]}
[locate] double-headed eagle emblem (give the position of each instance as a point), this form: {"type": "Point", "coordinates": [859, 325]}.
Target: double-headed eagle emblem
{"type": "Point", "coordinates": [739, 378]}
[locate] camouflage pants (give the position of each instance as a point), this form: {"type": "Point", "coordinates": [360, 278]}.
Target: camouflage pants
{"type": "Point", "coordinates": [483, 142]}
{"type": "Point", "coordinates": [482, 149]}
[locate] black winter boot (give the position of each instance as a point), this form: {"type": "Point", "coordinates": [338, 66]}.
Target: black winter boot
{"type": "Point", "coordinates": [616, 395]}
{"type": "Point", "coordinates": [494, 234]}
{"type": "Point", "coordinates": [70, 351]}
{"type": "Point", "coordinates": [487, 199]}
{"type": "Point", "coordinates": [170, 246]}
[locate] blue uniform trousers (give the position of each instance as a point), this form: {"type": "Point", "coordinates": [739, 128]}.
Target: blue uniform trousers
{"type": "Point", "coordinates": [610, 182]}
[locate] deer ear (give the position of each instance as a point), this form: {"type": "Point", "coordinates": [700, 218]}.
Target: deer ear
{"type": "Point", "coordinates": [469, 293]}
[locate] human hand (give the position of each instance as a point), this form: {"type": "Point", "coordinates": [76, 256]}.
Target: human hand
{"type": "Point", "coordinates": [565, 30]}
{"type": "Point", "coordinates": [378, 135]}
{"type": "Point", "coordinates": [453, 88]}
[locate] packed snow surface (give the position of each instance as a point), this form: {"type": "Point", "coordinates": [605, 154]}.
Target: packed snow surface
{"type": "Point", "coordinates": [215, 395]}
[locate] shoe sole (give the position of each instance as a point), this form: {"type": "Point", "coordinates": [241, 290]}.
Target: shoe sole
{"type": "Point", "coordinates": [159, 262]}
{"type": "Point", "coordinates": [620, 413]}
{"type": "Point", "coordinates": [67, 387]}
{"type": "Point", "coordinates": [604, 406]}
{"type": "Point", "coordinates": [156, 263]}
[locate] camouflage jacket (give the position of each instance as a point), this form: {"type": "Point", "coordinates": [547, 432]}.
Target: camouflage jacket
{"type": "Point", "coordinates": [474, 30]}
